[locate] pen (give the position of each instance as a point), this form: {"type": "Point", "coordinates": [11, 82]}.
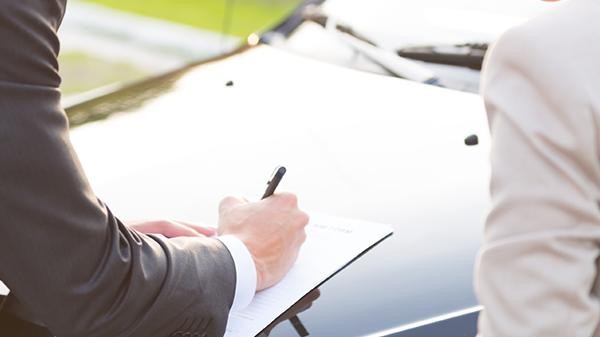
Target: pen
{"type": "Point", "coordinates": [274, 181]}
{"type": "Point", "coordinates": [271, 186]}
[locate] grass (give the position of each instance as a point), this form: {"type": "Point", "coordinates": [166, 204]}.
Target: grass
{"type": "Point", "coordinates": [248, 15]}
{"type": "Point", "coordinates": [82, 72]}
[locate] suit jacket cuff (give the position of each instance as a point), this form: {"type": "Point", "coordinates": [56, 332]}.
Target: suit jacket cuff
{"type": "Point", "coordinates": [245, 285]}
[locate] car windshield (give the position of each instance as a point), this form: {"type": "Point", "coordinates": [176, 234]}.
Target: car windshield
{"type": "Point", "coordinates": [393, 24]}
{"type": "Point", "coordinates": [429, 41]}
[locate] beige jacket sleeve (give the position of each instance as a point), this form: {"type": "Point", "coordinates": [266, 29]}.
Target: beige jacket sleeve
{"type": "Point", "coordinates": [537, 268]}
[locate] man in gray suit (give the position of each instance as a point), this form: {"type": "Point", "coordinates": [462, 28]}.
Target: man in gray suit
{"type": "Point", "coordinates": [75, 268]}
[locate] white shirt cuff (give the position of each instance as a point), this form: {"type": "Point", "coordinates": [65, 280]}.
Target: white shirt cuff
{"type": "Point", "coordinates": [3, 289]}
{"type": "Point", "coordinates": [245, 270]}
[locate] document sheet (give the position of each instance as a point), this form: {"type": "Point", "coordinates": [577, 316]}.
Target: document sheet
{"type": "Point", "coordinates": [3, 289]}
{"type": "Point", "coordinates": [331, 243]}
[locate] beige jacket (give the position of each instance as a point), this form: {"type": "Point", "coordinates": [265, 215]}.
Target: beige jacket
{"type": "Point", "coordinates": [537, 273]}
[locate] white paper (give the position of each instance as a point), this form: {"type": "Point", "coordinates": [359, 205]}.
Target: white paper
{"type": "Point", "coordinates": [330, 244]}
{"type": "Point", "coordinates": [3, 289]}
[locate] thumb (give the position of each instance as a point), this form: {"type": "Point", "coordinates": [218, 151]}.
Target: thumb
{"type": "Point", "coordinates": [230, 202]}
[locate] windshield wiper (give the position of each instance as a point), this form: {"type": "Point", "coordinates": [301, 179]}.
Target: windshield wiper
{"type": "Point", "coordinates": [468, 55]}
{"type": "Point", "coordinates": [388, 60]}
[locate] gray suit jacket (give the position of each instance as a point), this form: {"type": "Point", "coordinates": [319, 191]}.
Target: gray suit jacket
{"type": "Point", "coordinates": [66, 258]}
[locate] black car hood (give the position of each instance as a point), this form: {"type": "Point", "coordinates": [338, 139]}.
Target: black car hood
{"type": "Point", "coordinates": [355, 144]}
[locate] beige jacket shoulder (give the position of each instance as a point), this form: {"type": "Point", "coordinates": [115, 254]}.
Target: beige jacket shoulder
{"type": "Point", "coordinates": [537, 272]}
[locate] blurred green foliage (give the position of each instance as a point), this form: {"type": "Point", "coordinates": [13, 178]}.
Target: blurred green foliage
{"type": "Point", "coordinates": [247, 16]}
{"type": "Point", "coordinates": [81, 72]}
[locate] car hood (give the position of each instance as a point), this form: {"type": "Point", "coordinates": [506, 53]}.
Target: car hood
{"type": "Point", "coordinates": [355, 144]}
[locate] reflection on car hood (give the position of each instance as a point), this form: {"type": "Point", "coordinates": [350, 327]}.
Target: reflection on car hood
{"type": "Point", "coordinates": [355, 144]}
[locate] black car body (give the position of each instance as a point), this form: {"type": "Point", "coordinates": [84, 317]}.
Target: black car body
{"type": "Point", "coordinates": [356, 144]}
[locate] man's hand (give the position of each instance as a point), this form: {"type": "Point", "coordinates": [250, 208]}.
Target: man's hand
{"type": "Point", "coordinates": [171, 229]}
{"type": "Point", "coordinates": [272, 229]}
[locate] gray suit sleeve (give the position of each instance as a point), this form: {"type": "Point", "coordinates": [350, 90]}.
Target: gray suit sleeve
{"type": "Point", "coordinates": [65, 257]}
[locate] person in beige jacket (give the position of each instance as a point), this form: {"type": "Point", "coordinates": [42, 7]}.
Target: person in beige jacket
{"type": "Point", "coordinates": [537, 272]}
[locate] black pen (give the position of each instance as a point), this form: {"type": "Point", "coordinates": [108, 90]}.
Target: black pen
{"type": "Point", "coordinates": [274, 181]}
{"type": "Point", "coordinates": [271, 186]}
